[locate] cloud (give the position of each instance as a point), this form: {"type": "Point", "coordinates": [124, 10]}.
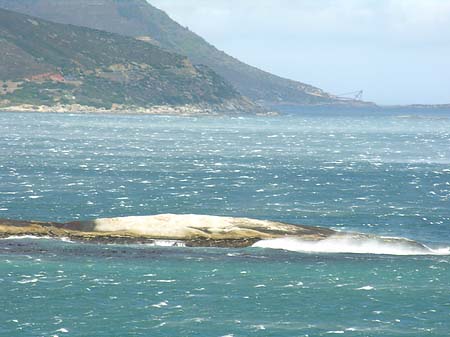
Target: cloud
{"type": "Point", "coordinates": [350, 44]}
{"type": "Point", "coordinates": [395, 19]}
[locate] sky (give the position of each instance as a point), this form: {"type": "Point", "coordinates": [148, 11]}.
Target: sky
{"type": "Point", "coordinates": [397, 51]}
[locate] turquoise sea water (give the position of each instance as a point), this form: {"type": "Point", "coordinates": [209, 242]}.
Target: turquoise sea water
{"type": "Point", "coordinates": [388, 175]}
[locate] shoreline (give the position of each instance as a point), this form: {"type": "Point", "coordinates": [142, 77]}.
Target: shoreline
{"type": "Point", "coordinates": [130, 240]}
{"type": "Point", "coordinates": [188, 110]}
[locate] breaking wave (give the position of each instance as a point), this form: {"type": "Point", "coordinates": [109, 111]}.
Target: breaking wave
{"type": "Point", "coordinates": [166, 243]}
{"type": "Point", "coordinates": [27, 237]}
{"type": "Point", "coordinates": [353, 245]}
{"type": "Point", "coordinates": [36, 237]}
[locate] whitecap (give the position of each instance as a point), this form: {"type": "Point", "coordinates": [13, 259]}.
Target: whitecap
{"type": "Point", "coordinates": [366, 288]}
{"type": "Point", "coordinates": [66, 239]}
{"type": "Point", "coordinates": [64, 330]}
{"type": "Point", "coordinates": [352, 244]}
{"type": "Point", "coordinates": [30, 237]}
{"type": "Point", "coordinates": [441, 251]}
{"type": "Point", "coordinates": [259, 327]}
{"type": "Point", "coordinates": [34, 280]}
{"type": "Point", "coordinates": [166, 243]}
{"type": "Point", "coordinates": [160, 305]}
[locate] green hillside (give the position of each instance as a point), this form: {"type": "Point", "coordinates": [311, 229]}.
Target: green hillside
{"type": "Point", "coordinates": [137, 18]}
{"type": "Point", "coordinates": [47, 63]}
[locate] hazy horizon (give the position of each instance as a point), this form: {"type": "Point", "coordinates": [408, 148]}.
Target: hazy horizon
{"type": "Point", "coordinates": [397, 51]}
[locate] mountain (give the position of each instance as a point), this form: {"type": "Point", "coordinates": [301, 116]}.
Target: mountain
{"type": "Point", "coordinates": [46, 63]}
{"type": "Point", "coordinates": [137, 18]}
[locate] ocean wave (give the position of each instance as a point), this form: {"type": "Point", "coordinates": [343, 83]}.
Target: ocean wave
{"type": "Point", "coordinates": [27, 237]}
{"type": "Point", "coordinates": [353, 245]}
{"type": "Point", "coordinates": [36, 237]}
{"type": "Point", "coordinates": [166, 243]}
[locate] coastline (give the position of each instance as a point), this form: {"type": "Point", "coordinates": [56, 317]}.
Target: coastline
{"type": "Point", "coordinates": [175, 110]}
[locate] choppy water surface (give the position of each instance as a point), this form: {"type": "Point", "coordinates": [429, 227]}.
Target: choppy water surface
{"type": "Point", "coordinates": [384, 175]}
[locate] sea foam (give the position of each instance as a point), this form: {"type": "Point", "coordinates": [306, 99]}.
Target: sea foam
{"type": "Point", "coordinates": [352, 245]}
{"type": "Point", "coordinates": [36, 237]}
{"type": "Point", "coordinates": [27, 237]}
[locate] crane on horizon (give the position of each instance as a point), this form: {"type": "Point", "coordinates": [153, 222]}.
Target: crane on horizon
{"type": "Point", "coordinates": [354, 95]}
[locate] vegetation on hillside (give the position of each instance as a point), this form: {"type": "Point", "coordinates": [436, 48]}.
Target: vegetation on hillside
{"type": "Point", "coordinates": [137, 18]}
{"type": "Point", "coordinates": [54, 63]}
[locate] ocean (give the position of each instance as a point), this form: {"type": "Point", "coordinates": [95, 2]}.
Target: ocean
{"type": "Point", "coordinates": [386, 174]}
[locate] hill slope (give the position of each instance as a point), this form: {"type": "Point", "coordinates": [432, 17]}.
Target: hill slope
{"type": "Point", "coordinates": [137, 18]}
{"type": "Point", "coordinates": [46, 63]}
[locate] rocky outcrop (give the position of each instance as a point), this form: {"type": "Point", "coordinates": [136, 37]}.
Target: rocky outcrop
{"type": "Point", "coordinates": [192, 227]}
{"type": "Point", "coordinates": [193, 230]}
{"type": "Point", "coordinates": [199, 231]}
